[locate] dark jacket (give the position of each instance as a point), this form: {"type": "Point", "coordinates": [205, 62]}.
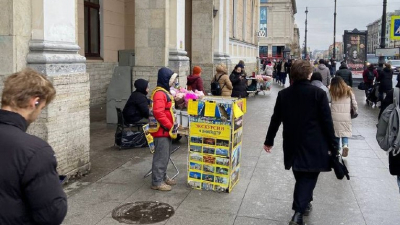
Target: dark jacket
{"type": "Point", "coordinates": [346, 74]}
{"type": "Point", "coordinates": [385, 78]}
{"type": "Point", "coordinates": [308, 132]}
{"type": "Point", "coordinates": [30, 189]}
{"type": "Point", "coordinates": [394, 161]}
{"type": "Point", "coordinates": [194, 82]}
{"type": "Point", "coordinates": [365, 75]}
{"type": "Point", "coordinates": [137, 106]}
{"type": "Point", "coordinates": [239, 86]}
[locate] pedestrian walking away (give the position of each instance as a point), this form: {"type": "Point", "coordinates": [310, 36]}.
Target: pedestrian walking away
{"type": "Point", "coordinates": [163, 106]}
{"type": "Point", "coordinates": [343, 101]}
{"type": "Point", "coordinates": [308, 135]}
{"type": "Point", "coordinates": [30, 187]}
{"type": "Point", "coordinates": [283, 72]}
{"type": "Point", "coordinates": [345, 74]}
{"type": "Point", "coordinates": [369, 76]}
{"type": "Point", "coordinates": [316, 80]}
{"type": "Point", "coordinates": [324, 71]}
{"type": "Point", "coordinates": [394, 160]}
{"type": "Point", "coordinates": [385, 80]}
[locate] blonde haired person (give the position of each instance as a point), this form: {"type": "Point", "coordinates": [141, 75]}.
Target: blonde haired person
{"type": "Point", "coordinates": [223, 79]}
{"type": "Point", "coordinates": [30, 187]}
{"type": "Point", "coordinates": [343, 101]}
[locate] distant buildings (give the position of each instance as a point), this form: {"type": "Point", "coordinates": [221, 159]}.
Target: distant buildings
{"type": "Point", "coordinates": [278, 33]}
{"type": "Point", "coordinates": [374, 34]}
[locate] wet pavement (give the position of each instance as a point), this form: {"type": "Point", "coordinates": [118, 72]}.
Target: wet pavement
{"type": "Point", "coordinates": [265, 189]}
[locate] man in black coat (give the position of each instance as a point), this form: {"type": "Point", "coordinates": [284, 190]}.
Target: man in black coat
{"type": "Point", "coordinates": [385, 80]}
{"type": "Point", "coordinates": [137, 107]}
{"type": "Point", "coordinates": [30, 188]}
{"type": "Point", "coordinates": [308, 134]}
{"type": "Point", "coordinates": [346, 74]}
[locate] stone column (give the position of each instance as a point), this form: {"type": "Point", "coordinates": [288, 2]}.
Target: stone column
{"type": "Point", "coordinates": [151, 39]}
{"type": "Point", "coordinates": [65, 123]}
{"type": "Point", "coordinates": [15, 34]}
{"type": "Point", "coordinates": [178, 60]}
{"type": "Point", "coordinates": [221, 29]}
{"type": "Point", "coordinates": [203, 39]}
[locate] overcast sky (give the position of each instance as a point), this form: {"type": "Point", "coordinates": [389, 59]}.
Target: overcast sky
{"type": "Point", "coordinates": [350, 14]}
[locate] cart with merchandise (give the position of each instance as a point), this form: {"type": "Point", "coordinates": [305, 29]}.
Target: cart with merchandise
{"type": "Point", "coordinates": [215, 142]}
{"type": "Point", "coordinates": [259, 83]}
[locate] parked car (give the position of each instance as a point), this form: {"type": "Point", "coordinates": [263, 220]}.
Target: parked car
{"type": "Point", "coordinates": [395, 66]}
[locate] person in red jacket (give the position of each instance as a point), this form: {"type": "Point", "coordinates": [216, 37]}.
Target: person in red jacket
{"type": "Point", "coordinates": [369, 76]}
{"type": "Point", "coordinates": [163, 104]}
{"type": "Point", "coordinates": [194, 81]}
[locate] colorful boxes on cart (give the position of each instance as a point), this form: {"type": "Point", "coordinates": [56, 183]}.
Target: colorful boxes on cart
{"type": "Point", "coordinates": [215, 143]}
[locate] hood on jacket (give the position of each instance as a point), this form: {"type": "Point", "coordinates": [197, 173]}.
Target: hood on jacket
{"type": "Point", "coordinates": [164, 76]}
{"type": "Point", "coordinates": [321, 66]}
{"type": "Point", "coordinates": [141, 86]}
{"type": "Point", "coordinates": [192, 79]}
{"type": "Point", "coordinates": [386, 69]}
{"type": "Point", "coordinates": [317, 83]}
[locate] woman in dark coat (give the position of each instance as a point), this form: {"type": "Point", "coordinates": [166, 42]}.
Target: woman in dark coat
{"type": "Point", "coordinates": [394, 161]}
{"type": "Point", "coordinates": [346, 74]}
{"type": "Point", "coordinates": [385, 79]}
{"type": "Point", "coordinates": [239, 82]}
{"type": "Point", "coordinates": [137, 107]}
{"type": "Point", "coordinates": [308, 134]}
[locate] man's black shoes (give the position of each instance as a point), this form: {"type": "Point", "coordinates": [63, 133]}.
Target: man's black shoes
{"type": "Point", "coordinates": [308, 210]}
{"type": "Point", "coordinates": [297, 219]}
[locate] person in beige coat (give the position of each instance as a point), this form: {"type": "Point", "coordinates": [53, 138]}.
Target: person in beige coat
{"type": "Point", "coordinates": [223, 79]}
{"type": "Point", "coordinates": [343, 100]}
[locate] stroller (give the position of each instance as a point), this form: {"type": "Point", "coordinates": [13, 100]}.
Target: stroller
{"type": "Point", "coordinates": [373, 94]}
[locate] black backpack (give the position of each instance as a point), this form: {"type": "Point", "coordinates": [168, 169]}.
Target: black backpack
{"type": "Point", "coordinates": [215, 87]}
{"type": "Point", "coordinates": [370, 75]}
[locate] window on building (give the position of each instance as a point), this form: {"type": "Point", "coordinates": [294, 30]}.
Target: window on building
{"type": "Point", "coordinates": [264, 1]}
{"type": "Point", "coordinates": [263, 19]}
{"type": "Point", "coordinates": [92, 28]}
{"type": "Point", "coordinates": [263, 52]}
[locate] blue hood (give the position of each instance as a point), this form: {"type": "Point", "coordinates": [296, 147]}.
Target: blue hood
{"type": "Point", "coordinates": [164, 75]}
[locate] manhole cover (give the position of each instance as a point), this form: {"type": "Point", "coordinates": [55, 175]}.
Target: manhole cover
{"type": "Point", "coordinates": [143, 212]}
{"type": "Point", "coordinates": [357, 137]}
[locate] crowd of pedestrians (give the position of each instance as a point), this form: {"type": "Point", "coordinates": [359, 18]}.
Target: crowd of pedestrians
{"type": "Point", "coordinates": [319, 104]}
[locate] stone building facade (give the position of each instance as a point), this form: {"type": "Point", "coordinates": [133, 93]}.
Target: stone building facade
{"type": "Point", "coordinates": [374, 33]}
{"type": "Point", "coordinates": [77, 45]}
{"type": "Point", "coordinates": [277, 27]}
{"type": "Point", "coordinates": [42, 34]}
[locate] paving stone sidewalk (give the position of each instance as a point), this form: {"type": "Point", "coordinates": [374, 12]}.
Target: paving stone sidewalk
{"type": "Point", "coordinates": [265, 190]}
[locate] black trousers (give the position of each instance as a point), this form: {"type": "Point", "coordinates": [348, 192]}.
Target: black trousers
{"type": "Point", "coordinates": [303, 189]}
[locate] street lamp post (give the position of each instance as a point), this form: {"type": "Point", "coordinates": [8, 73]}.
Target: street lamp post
{"type": "Point", "coordinates": [334, 34]}
{"type": "Point", "coordinates": [305, 38]}
{"type": "Point", "coordinates": [383, 32]}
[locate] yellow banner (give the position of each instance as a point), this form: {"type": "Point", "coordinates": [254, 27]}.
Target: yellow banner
{"type": "Point", "coordinates": [210, 109]}
{"type": "Point", "coordinates": [210, 130]}
{"type": "Point", "coordinates": [237, 112]}
{"type": "Point", "coordinates": [193, 107]}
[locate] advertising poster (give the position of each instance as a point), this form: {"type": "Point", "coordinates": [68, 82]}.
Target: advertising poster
{"type": "Point", "coordinates": [355, 44]}
{"type": "Point", "coordinates": [215, 139]}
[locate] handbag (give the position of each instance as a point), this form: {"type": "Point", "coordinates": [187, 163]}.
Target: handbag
{"type": "Point", "coordinates": [353, 113]}
{"type": "Point", "coordinates": [339, 166]}
{"type": "Point", "coordinates": [361, 86]}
